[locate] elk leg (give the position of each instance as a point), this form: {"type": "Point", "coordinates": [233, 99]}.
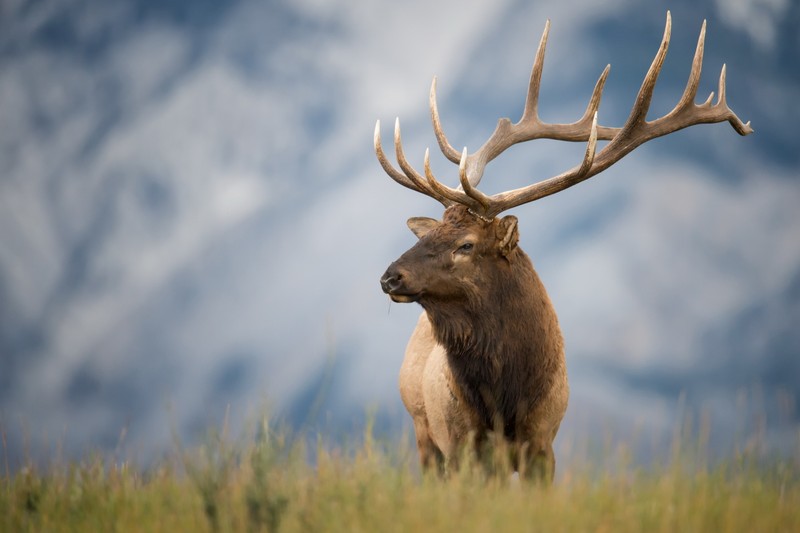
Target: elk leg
{"type": "Point", "coordinates": [430, 456]}
{"type": "Point", "coordinates": [538, 464]}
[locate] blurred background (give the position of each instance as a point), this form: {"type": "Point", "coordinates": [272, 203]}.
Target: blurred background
{"type": "Point", "coordinates": [192, 219]}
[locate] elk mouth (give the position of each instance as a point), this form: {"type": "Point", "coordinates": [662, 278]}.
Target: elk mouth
{"type": "Point", "coordinates": [405, 298]}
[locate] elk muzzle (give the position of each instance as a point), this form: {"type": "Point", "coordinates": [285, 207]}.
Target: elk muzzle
{"type": "Point", "coordinates": [393, 283]}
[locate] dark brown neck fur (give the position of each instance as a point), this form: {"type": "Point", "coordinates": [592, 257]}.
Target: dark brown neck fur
{"type": "Point", "coordinates": [504, 347]}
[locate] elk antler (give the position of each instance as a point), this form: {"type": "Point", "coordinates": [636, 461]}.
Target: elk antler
{"type": "Point", "coordinates": [636, 131]}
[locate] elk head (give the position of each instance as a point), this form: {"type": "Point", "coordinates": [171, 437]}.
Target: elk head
{"type": "Point", "coordinates": [453, 259]}
{"type": "Point", "coordinates": [441, 243]}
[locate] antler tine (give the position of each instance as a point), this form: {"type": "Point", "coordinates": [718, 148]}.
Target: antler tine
{"type": "Point", "coordinates": [645, 97]}
{"type": "Point", "coordinates": [412, 174]}
{"type": "Point", "coordinates": [690, 93]}
{"type": "Point", "coordinates": [447, 149]}
{"type": "Point", "coordinates": [742, 128]}
{"type": "Point", "coordinates": [471, 191]}
{"type": "Point", "coordinates": [453, 195]}
{"type": "Point", "coordinates": [396, 175]}
{"type": "Point", "coordinates": [531, 111]}
{"type": "Point", "coordinates": [594, 104]}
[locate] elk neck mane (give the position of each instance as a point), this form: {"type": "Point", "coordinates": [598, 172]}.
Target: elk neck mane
{"type": "Point", "coordinates": [503, 345]}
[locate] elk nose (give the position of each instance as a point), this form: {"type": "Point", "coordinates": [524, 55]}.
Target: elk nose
{"type": "Point", "coordinates": [391, 281]}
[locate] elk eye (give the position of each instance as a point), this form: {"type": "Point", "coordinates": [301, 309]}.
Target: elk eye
{"type": "Point", "coordinates": [466, 247]}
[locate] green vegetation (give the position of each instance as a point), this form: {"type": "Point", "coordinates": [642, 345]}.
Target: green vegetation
{"type": "Point", "coordinates": [267, 483]}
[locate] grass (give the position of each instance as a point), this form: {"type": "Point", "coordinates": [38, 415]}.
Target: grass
{"type": "Point", "coordinates": [268, 483]}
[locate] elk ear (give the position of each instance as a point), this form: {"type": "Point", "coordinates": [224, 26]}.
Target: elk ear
{"type": "Point", "coordinates": [422, 225]}
{"type": "Point", "coordinates": [507, 235]}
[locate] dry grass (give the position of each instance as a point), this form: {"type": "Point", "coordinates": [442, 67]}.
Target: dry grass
{"type": "Point", "coordinates": [268, 483]}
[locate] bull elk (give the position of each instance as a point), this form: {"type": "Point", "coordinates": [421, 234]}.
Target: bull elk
{"type": "Point", "coordinates": [486, 359]}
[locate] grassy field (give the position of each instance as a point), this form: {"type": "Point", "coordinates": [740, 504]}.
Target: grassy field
{"type": "Point", "coordinates": [268, 483]}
